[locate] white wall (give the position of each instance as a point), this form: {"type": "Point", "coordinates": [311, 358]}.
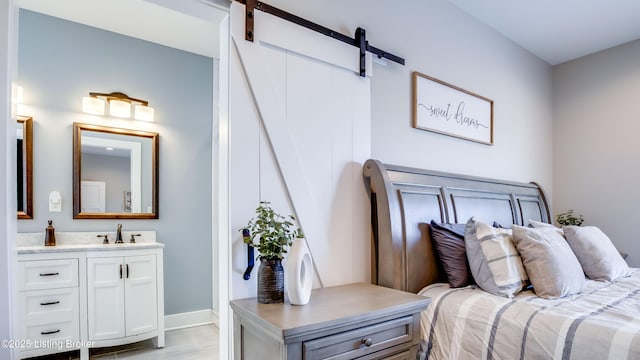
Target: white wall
{"type": "Point", "coordinates": [7, 153]}
{"type": "Point", "coordinates": [597, 152]}
{"type": "Point", "coordinates": [437, 39]}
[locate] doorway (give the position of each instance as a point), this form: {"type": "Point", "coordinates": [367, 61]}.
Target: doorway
{"type": "Point", "coordinates": [188, 160]}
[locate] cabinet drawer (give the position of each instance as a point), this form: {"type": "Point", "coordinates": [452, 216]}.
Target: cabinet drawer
{"type": "Point", "coordinates": [47, 274]}
{"type": "Point", "coordinates": [360, 342]}
{"type": "Point", "coordinates": [405, 355]}
{"type": "Point", "coordinates": [58, 331]}
{"type": "Point", "coordinates": [43, 307]}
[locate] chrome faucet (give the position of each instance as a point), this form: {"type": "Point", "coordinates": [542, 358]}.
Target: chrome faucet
{"type": "Point", "coordinates": [119, 235]}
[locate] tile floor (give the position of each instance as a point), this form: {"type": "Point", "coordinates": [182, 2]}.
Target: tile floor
{"type": "Point", "coordinates": [194, 343]}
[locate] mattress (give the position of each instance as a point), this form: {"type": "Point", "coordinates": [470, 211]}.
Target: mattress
{"type": "Point", "coordinates": [602, 322]}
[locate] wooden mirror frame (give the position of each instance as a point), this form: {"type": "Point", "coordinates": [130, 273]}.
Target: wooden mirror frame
{"type": "Point", "coordinates": [77, 164]}
{"type": "Point", "coordinates": [27, 137]}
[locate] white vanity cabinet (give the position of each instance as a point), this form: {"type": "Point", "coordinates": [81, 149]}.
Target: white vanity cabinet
{"type": "Point", "coordinates": [48, 304]}
{"type": "Point", "coordinates": [122, 296]}
{"type": "Point", "coordinates": [81, 297]}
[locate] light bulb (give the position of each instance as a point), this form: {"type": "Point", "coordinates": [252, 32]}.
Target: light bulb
{"type": "Point", "coordinates": [144, 113]}
{"type": "Point", "coordinates": [119, 108]}
{"type": "Point", "coordinates": [92, 105]}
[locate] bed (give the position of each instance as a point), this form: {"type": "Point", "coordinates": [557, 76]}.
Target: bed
{"type": "Point", "coordinates": [600, 322]}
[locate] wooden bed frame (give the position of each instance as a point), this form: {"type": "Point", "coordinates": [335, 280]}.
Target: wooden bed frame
{"type": "Point", "coordinates": [405, 200]}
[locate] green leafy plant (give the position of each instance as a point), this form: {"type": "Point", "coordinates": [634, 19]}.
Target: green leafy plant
{"type": "Point", "coordinates": [567, 218]}
{"type": "Point", "coordinates": [271, 233]}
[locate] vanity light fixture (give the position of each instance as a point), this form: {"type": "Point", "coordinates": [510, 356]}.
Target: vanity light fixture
{"type": "Point", "coordinates": [119, 106]}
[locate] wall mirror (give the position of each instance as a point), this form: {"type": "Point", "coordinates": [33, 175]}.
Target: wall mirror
{"type": "Point", "coordinates": [115, 173]}
{"type": "Point", "coordinates": [24, 171]}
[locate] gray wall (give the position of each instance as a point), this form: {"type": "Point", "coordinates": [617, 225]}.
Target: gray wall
{"type": "Point", "coordinates": [59, 62]}
{"type": "Point", "coordinates": [438, 39]}
{"type": "Point", "coordinates": [597, 152]}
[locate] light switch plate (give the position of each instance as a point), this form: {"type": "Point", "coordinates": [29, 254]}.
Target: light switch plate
{"type": "Point", "coordinates": [55, 202]}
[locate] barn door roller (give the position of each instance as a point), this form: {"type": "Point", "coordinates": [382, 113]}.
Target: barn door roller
{"type": "Point", "coordinates": [359, 41]}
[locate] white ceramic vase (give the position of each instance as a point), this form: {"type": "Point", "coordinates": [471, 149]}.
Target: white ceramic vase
{"type": "Point", "coordinates": [299, 273]}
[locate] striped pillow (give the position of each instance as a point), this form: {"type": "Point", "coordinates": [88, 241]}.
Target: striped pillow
{"type": "Point", "coordinates": [494, 261]}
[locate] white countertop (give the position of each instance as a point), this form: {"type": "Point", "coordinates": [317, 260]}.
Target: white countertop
{"type": "Point", "coordinates": [33, 243]}
{"type": "Point", "coordinates": [36, 249]}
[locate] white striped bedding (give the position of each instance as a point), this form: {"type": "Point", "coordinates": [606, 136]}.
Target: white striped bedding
{"type": "Point", "coordinates": [603, 322]}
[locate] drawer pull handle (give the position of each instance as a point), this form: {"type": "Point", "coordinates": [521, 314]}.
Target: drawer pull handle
{"type": "Point", "coordinates": [49, 332]}
{"type": "Point", "coordinates": [49, 303]}
{"type": "Point", "coordinates": [367, 342]}
{"type": "Point", "coordinates": [50, 274]}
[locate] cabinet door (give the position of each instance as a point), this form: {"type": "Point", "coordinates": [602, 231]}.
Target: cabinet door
{"type": "Point", "coordinates": [105, 289]}
{"type": "Point", "coordinates": [141, 303]}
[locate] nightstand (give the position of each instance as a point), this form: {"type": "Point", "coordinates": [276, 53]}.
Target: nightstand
{"type": "Point", "coordinates": [343, 322]}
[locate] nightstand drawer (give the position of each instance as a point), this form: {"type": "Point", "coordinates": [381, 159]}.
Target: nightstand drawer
{"type": "Point", "coordinates": [360, 342]}
{"type": "Point", "coordinates": [405, 355]}
{"type": "Point", "coordinates": [48, 274]}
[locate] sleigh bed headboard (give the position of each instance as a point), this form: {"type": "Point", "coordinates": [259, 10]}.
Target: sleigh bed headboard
{"type": "Point", "coordinates": [405, 200]}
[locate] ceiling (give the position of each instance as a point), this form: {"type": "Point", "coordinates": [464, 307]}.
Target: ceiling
{"type": "Point", "coordinates": [559, 30]}
{"type": "Point", "coordinates": [554, 30]}
{"type": "Point", "coordinates": [188, 25]}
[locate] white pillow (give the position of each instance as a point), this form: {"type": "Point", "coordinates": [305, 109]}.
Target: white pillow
{"type": "Point", "coordinates": [552, 267]}
{"type": "Point", "coordinates": [599, 258]}
{"type": "Point", "coordinates": [540, 224]}
{"type": "Point", "coordinates": [493, 260]}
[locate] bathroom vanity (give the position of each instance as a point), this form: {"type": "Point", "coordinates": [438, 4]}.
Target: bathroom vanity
{"type": "Point", "coordinates": [83, 294]}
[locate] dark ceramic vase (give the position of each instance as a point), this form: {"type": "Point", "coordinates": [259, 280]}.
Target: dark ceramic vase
{"type": "Point", "coordinates": [270, 281]}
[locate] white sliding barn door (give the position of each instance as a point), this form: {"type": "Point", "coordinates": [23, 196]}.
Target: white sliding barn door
{"type": "Point", "coordinates": [299, 134]}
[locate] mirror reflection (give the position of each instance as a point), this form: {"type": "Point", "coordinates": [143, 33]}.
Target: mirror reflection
{"type": "Point", "coordinates": [24, 179]}
{"type": "Point", "coordinates": [115, 173]}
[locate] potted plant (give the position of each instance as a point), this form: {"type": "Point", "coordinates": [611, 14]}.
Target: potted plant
{"type": "Point", "coordinates": [271, 234]}
{"type": "Point", "coordinates": [567, 218]}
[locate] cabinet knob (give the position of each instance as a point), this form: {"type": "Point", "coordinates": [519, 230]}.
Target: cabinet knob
{"type": "Point", "coordinates": [367, 342]}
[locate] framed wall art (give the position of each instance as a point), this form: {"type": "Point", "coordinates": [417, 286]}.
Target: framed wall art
{"type": "Point", "coordinates": [447, 109]}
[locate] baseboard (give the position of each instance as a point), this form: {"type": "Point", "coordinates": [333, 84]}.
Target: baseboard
{"type": "Point", "coordinates": [189, 319]}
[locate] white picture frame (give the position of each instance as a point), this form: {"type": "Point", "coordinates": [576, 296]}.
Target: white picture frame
{"type": "Point", "coordinates": [447, 109]}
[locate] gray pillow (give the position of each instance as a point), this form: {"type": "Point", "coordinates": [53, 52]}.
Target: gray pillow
{"type": "Point", "coordinates": [598, 256]}
{"type": "Point", "coordinates": [493, 259]}
{"type": "Point", "coordinates": [553, 269]}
